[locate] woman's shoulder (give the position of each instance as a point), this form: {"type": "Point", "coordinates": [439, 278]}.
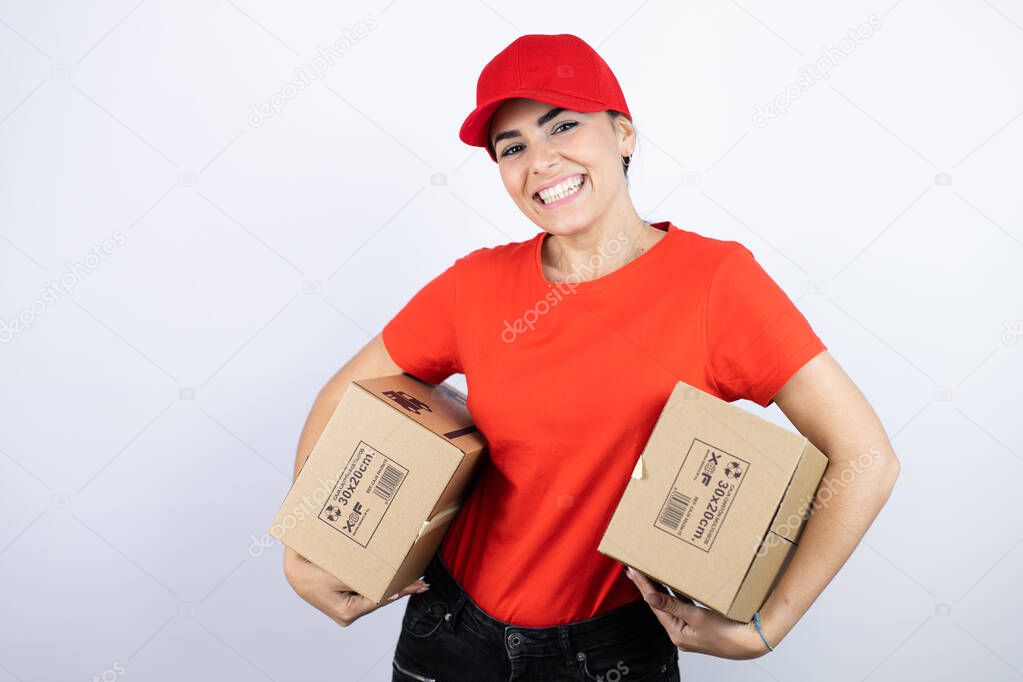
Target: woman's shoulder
{"type": "Point", "coordinates": [509, 253]}
{"type": "Point", "coordinates": [702, 249]}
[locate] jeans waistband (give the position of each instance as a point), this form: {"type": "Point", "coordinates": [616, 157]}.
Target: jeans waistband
{"type": "Point", "coordinates": [614, 625]}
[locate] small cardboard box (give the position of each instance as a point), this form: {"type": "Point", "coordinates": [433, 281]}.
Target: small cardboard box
{"type": "Point", "coordinates": [386, 477]}
{"type": "Point", "coordinates": [716, 503]}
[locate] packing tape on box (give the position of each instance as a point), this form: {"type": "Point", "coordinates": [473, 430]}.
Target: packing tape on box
{"type": "Point", "coordinates": [637, 471]}
{"type": "Point", "coordinates": [437, 519]}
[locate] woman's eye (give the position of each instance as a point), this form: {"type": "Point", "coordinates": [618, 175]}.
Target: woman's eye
{"type": "Point", "coordinates": [557, 128]}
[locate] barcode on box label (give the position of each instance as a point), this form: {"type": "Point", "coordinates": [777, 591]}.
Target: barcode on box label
{"type": "Point", "coordinates": [675, 510]}
{"type": "Point", "coordinates": [701, 495]}
{"type": "Point", "coordinates": [389, 481]}
{"type": "Point", "coordinates": [363, 493]}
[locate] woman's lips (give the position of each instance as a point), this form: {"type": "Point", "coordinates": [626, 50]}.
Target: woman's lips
{"type": "Point", "coordinates": [564, 200]}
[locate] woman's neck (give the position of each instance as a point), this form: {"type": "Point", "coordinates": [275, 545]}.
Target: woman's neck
{"type": "Point", "coordinates": [591, 254]}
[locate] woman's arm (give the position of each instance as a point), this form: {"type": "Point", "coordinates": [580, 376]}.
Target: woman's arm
{"type": "Point", "coordinates": [372, 360]}
{"type": "Point", "coordinates": [826, 407]}
{"type": "Point", "coordinates": [824, 404]}
{"type": "Point", "coordinates": [322, 590]}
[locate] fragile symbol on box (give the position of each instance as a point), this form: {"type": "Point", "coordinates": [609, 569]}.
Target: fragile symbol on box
{"type": "Point", "coordinates": [701, 495]}
{"type": "Point", "coordinates": [363, 493]}
{"type": "Point", "coordinates": [407, 401]}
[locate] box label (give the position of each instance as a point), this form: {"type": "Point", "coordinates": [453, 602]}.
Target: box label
{"type": "Point", "coordinates": [363, 493]}
{"type": "Point", "coordinates": [703, 491]}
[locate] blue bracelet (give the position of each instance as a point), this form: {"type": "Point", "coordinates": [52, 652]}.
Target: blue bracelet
{"type": "Point", "coordinates": [756, 621]}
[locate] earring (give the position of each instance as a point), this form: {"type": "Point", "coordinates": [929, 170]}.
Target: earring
{"type": "Point", "coordinates": [627, 160]}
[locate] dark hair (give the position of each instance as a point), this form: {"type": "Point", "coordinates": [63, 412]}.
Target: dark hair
{"type": "Point", "coordinates": [626, 160]}
{"type": "Point", "coordinates": [613, 114]}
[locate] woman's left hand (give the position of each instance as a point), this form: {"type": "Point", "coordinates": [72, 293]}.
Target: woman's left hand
{"type": "Point", "coordinates": [697, 629]}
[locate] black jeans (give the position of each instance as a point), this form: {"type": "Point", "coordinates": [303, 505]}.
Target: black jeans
{"type": "Point", "coordinates": [446, 637]}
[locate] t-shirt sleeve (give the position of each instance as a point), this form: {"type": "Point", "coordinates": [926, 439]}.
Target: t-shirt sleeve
{"type": "Point", "coordinates": [422, 337]}
{"type": "Point", "coordinates": [756, 337]}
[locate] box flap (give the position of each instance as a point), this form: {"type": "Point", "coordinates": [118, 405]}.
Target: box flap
{"type": "Point", "coordinates": [766, 570]}
{"type": "Point", "coordinates": [796, 506]}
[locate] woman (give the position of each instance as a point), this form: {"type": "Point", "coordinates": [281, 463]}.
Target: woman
{"type": "Point", "coordinates": [571, 343]}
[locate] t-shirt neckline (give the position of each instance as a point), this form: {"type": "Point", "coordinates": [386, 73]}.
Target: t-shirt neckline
{"type": "Point", "coordinates": [621, 273]}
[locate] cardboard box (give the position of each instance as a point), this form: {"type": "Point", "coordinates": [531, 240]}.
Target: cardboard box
{"type": "Point", "coordinates": [371, 503]}
{"type": "Point", "coordinates": [716, 503]}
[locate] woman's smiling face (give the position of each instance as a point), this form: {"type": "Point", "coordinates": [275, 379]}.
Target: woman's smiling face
{"type": "Point", "coordinates": [540, 147]}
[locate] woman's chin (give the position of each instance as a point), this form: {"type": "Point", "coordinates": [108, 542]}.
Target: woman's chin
{"type": "Point", "coordinates": [566, 224]}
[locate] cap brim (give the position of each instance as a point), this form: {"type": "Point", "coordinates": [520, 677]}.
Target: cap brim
{"type": "Point", "coordinates": [476, 127]}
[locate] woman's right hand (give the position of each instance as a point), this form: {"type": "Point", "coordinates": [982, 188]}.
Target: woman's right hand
{"type": "Point", "coordinates": [328, 594]}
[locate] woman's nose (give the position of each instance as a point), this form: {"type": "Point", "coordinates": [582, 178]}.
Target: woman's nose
{"type": "Point", "coordinates": [543, 157]}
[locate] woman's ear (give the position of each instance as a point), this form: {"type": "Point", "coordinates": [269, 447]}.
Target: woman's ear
{"type": "Point", "coordinates": [626, 135]}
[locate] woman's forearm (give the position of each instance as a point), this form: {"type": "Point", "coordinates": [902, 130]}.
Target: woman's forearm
{"type": "Point", "coordinates": [855, 486]}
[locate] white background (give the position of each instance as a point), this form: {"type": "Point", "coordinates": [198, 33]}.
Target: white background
{"type": "Point", "coordinates": [150, 417]}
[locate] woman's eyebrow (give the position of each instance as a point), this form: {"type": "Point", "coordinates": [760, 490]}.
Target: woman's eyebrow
{"type": "Point", "coordinates": [539, 123]}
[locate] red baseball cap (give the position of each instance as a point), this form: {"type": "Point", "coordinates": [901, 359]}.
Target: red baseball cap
{"type": "Point", "coordinates": [559, 69]}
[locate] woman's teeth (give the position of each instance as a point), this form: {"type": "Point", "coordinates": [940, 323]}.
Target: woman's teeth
{"type": "Point", "coordinates": [561, 190]}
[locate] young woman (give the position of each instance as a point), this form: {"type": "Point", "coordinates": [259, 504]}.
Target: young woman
{"type": "Point", "coordinates": [571, 342]}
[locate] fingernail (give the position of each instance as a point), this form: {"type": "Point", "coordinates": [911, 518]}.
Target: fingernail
{"type": "Point", "coordinates": [393, 596]}
{"type": "Point", "coordinates": [422, 589]}
{"type": "Point", "coordinates": [628, 572]}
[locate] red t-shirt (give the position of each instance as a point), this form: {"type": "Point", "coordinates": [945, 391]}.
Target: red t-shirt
{"type": "Point", "coordinates": [566, 383]}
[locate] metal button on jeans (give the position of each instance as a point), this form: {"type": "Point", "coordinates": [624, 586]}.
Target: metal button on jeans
{"type": "Point", "coordinates": [514, 639]}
